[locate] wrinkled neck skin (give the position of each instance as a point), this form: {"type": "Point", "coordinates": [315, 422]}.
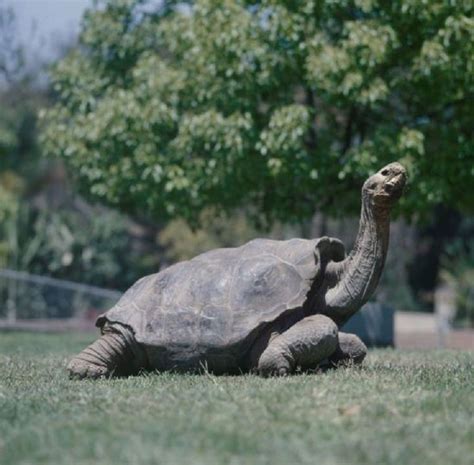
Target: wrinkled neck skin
{"type": "Point", "coordinates": [351, 283]}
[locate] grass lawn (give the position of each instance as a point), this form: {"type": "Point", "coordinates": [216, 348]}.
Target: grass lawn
{"type": "Point", "coordinates": [400, 408]}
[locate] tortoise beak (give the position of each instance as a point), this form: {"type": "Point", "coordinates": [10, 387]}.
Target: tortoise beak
{"type": "Point", "coordinates": [397, 181]}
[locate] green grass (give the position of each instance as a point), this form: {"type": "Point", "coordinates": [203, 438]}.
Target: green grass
{"type": "Point", "coordinates": [400, 408]}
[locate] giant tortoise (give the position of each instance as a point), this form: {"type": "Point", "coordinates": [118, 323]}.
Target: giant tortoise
{"type": "Point", "coordinates": [268, 306]}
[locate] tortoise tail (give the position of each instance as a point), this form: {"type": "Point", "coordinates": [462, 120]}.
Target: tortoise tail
{"type": "Point", "coordinates": [115, 353]}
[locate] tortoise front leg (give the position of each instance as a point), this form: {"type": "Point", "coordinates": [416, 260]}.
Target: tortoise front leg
{"type": "Point", "coordinates": [115, 353]}
{"type": "Point", "coordinates": [305, 344]}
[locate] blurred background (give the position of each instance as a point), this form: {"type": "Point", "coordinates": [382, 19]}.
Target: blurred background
{"type": "Point", "coordinates": [134, 134]}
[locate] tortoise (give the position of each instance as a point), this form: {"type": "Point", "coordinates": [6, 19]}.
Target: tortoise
{"type": "Point", "coordinates": [269, 306]}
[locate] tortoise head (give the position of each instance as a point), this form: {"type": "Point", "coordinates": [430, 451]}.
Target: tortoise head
{"type": "Point", "coordinates": [385, 187]}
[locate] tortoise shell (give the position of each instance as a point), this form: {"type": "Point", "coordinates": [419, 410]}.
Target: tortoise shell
{"type": "Point", "coordinates": [197, 310]}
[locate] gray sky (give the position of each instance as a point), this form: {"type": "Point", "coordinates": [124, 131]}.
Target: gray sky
{"type": "Point", "coordinates": [44, 22]}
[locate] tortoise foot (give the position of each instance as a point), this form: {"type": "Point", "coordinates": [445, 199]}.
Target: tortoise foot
{"type": "Point", "coordinates": [82, 369]}
{"type": "Point", "coordinates": [273, 364]}
{"type": "Point", "coordinates": [350, 351]}
{"type": "Point", "coordinates": [266, 373]}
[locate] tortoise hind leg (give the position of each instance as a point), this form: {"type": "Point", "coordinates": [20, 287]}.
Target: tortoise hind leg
{"type": "Point", "coordinates": [350, 350]}
{"type": "Point", "coordinates": [115, 353]}
{"type": "Point", "coordinates": [306, 343]}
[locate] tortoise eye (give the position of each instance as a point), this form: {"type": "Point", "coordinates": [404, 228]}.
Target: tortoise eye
{"type": "Point", "coordinates": [384, 172]}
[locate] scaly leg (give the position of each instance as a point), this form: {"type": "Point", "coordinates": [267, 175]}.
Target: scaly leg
{"type": "Point", "coordinates": [350, 350]}
{"type": "Point", "coordinates": [115, 353]}
{"type": "Point", "coordinates": [305, 344]}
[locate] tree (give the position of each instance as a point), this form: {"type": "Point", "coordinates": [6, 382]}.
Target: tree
{"type": "Point", "coordinates": [11, 53]}
{"type": "Point", "coordinates": [285, 106]}
{"type": "Point", "coordinates": [45, 227]}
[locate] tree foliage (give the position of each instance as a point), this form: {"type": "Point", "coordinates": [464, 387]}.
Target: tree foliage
{"type": "Point", "coordinates": [44, 227]}
{"type": "Point", "coordinates": [96, 248]}
{"type": "Point", "coordinates": [11, 52]}
{"type": "Point", "coordinates": [181, 242]}
{"type": "Point", "coordinates": [284, 106]}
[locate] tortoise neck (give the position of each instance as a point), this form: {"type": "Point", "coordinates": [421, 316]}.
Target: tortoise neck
{"type": "Point", "coordinates": [359, 273]}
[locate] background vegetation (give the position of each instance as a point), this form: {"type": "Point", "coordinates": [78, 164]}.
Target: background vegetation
{"type": "Point", "coordinates": [207, 121]}
{"type": "Point", "coordinates": [45, 226]}
{"type": "Point", "coordinates": [285, 106]}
